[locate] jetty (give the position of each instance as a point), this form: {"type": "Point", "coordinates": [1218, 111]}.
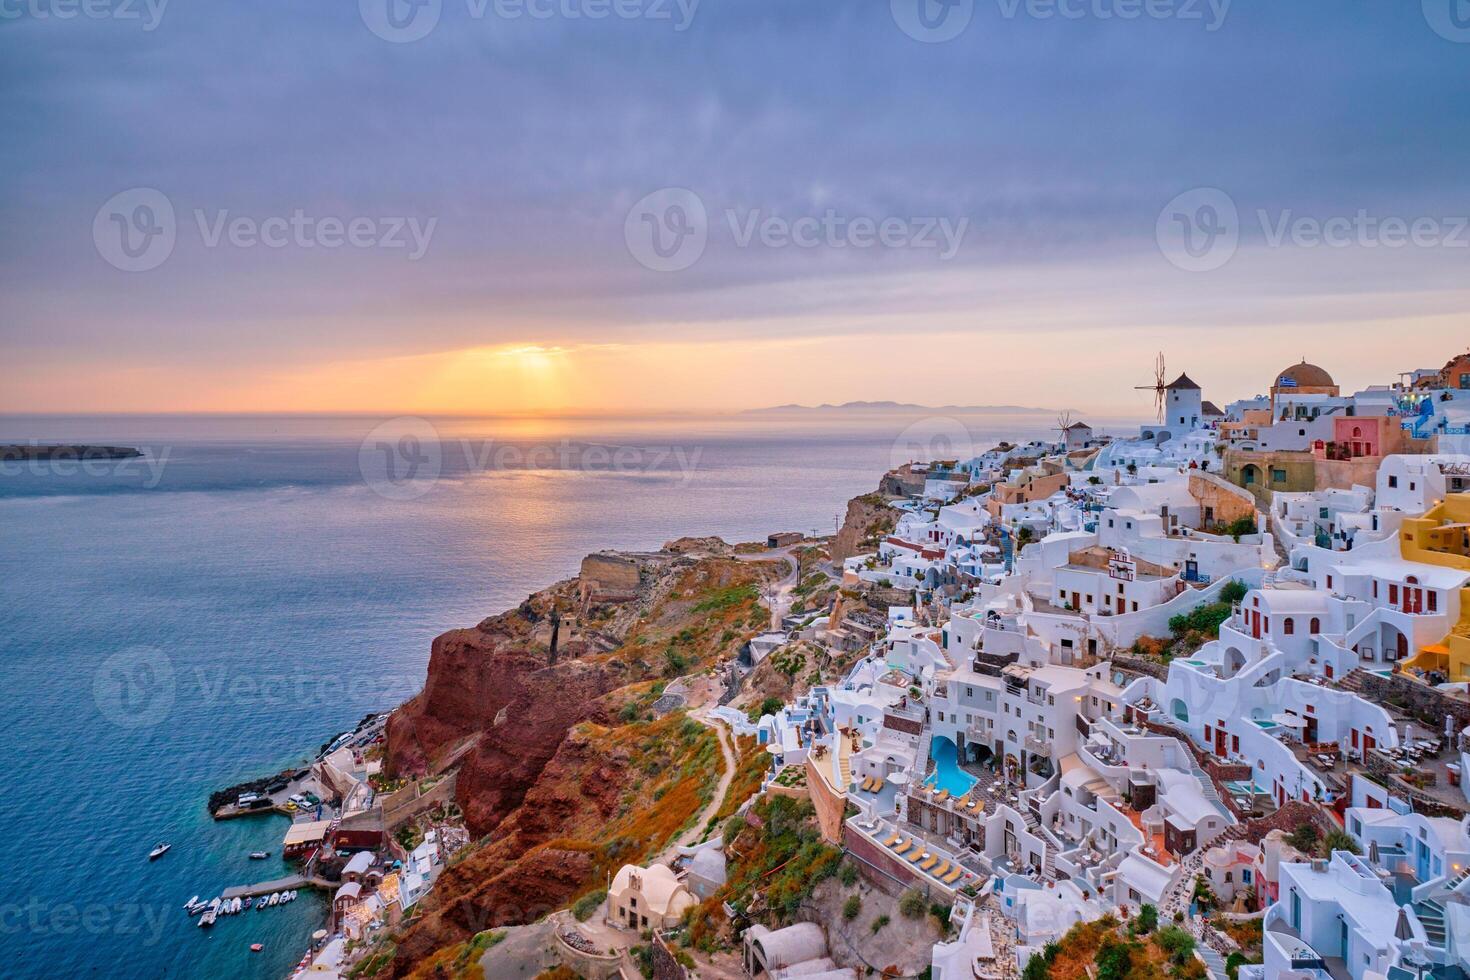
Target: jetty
{"type": "Point", "coordinates": [287, 883]}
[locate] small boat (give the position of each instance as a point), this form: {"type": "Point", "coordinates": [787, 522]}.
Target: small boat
{"type": "Point", "coordinates": [259, 855]}
{"type": "Point", "coordinates": [235, 906]}
{"type": "Point", "coordinates": [248, 902]}
{"type": "Point", "coordinates": [256, 947]}
{"type": "Point", "coordinates": [158, 851]}
{"type": "Point", "coordinates": [191, 903]}
{"type": "Point", "coordinates": [260, 905]}
{"type": "Point", "coordinates": [275, 899]}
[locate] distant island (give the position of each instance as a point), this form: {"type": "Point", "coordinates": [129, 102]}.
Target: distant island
{"type": "Point", "coordinates": [901, 408]}
{"type": "Point", "coordinates": [17, 452]}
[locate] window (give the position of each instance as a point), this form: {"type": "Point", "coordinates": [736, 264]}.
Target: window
{"type": "Point", "coordinates": [1315, 626]}
{"type": "Point", "coordinates": [1278, 475]}
{"type": "Point", "coordinates": [1433, 600]}
{"type": "Point", "coordinates": [1288, 626]}
{"type": "Point", "coordinates": [1393, 481]}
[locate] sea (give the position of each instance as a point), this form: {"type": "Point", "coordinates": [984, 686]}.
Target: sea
{"type": "Point", "coordinates": [252, 586]}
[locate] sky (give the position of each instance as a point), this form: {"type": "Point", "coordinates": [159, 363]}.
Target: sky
{"type": "Point", "coordinates": [628, 206]}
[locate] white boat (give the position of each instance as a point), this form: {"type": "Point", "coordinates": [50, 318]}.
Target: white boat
{"type": "Point", "coordinates": [274, 899]}
{"type": "Point", "coordinates": [191, 903]}
{"type": "Point", "coordinates": [159, 851]}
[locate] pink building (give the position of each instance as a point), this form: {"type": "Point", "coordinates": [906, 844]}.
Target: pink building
{"type": "Point", "coordinates": [1353, 436]}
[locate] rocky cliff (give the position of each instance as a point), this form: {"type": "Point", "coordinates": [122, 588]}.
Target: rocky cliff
{"type": "Point", "coordinates": [868, 518]}
{"type": "Point", "coordinates": [564, 772]}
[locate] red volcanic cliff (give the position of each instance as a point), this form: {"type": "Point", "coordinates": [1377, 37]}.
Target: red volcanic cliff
{"type": "Point", "coordinates": [494, 680]}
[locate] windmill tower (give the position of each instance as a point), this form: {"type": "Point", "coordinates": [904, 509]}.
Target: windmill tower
{"type": "Point", "coordinates": [1159, 388]}
{"type": "Point", "coordinates": [1064, 422]}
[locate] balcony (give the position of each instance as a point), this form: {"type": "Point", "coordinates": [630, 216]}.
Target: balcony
{"type": "Point", "coordinates": [1038, 745]}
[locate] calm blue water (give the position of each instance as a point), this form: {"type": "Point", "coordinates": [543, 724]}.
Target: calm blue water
{"type": "Point", "coordinates": [165, 632]}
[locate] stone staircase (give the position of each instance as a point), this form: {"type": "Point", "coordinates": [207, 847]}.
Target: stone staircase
{"type": "Point", "coordinates": [1207, 789]}
{"type": "Point", "coordinates": [1352, 681]}
{"type": "Point", "coordinates": [1213, 961]}
{"type": "Point", "coordinates": [1431, 916]}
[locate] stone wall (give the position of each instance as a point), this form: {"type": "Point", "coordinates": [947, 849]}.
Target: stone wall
{"type": "Point", "coordinates": [1137, 665]}
{"type": "Point", "coordinates": [665, 967]}
{"type": "Point", "coordinates": [1288, 818]}
{"type": "Point", "coordinates": [1419, 700]}
{"type": "Point", "coordinates": [1225, 501]}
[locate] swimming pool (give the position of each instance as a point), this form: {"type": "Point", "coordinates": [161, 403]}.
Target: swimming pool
{"type": "Point", "coordinates": [947, 772]}
{"type": "Point", "coordinates": [1265, 724]}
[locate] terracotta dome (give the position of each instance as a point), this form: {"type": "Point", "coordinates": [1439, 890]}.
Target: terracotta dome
{"type": "Point", "coordinates": [1306, 376]}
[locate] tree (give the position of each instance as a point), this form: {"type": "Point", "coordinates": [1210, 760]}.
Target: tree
{"type": "Point", "coordinates": [1176, 942]}
{"type": "Point", "coordinates": [1148, 919]}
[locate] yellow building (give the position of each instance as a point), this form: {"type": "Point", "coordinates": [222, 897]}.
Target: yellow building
{"type": "Point", "coordinates": [1441, 536]}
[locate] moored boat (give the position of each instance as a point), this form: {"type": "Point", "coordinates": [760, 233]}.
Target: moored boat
{"type": "Point", "coordinates": [159, 850]}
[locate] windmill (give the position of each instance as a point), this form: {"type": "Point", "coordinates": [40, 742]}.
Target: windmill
{"type": "Point", "coordinates": [1158, 387]}
{"type": "Point", "coordinates": [1064, 422]}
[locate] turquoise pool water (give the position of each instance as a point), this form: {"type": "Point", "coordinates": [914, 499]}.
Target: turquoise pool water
{"type": "Point", "coordinates": [1266, 725]}
{"type": "Point", "coordinates": [947, 772]}
{"type": "Point", "coordinates": [1244, 788]}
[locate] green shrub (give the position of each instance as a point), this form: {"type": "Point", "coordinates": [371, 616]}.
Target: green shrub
{"type": "Point", "coordinates": [583, 907]}
{"type": "Point", "coordinates": [851, 907]}
{"type": "Point", "coordinates": [912, 905]}
{"type": "Point", "coordinates": [1234, 591]}
{"type": "Point", "coordinates": [879, 923]}
{"type": "Point", "coordinates": [1176, 942]}
{"type": "Point", "coordinates": [1148, 919]}
{"type": "Point", "coordinates": [847, 874]}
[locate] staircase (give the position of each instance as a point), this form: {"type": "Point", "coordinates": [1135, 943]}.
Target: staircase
{"type": "Point", "coordinates": [1207, 789]}
{"type": "Point", "coordinates": [1452, 883]}
{"type": "Point", "coordinates": [1431, 916]}
{"type": "Point", "coordinates": [1048, 865]}
{"type": "Point", "coordinates": [1213, 961]}
{"type": "Point", "coordinates": [1352, 681]}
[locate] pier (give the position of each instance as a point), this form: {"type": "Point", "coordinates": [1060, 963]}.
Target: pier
{"type": "Point", "coordinates": [278, 885]}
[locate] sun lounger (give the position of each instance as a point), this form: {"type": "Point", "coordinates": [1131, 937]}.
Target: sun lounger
{"type": "Point", "coordinates": [877, 785]}
{"type": "Point", "coordinates": [867, 784]}
{"type": "Point", "coordinates": [929, 862]}
{"type": "Point", "coordinates": [917, 856]}
{"type": "Point", "coordinates": [941, 796]}
{"type": "Point", "coordinates": [941, 871]}
{"type": "Point", "coordinates": [903, 847]}
{"type": "Point", "coordinates": [892, 840]}
{"type": "Point", "coordinates": [953, 876]}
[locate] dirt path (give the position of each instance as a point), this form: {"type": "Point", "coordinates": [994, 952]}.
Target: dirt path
{"type": "Point", "coordinates": [696, 832]}
{"type": "Point", "coordinates": [779, 597]}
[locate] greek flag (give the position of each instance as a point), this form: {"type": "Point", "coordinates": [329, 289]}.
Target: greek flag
{"type": "Point", "coordinates": [1285, 382]}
